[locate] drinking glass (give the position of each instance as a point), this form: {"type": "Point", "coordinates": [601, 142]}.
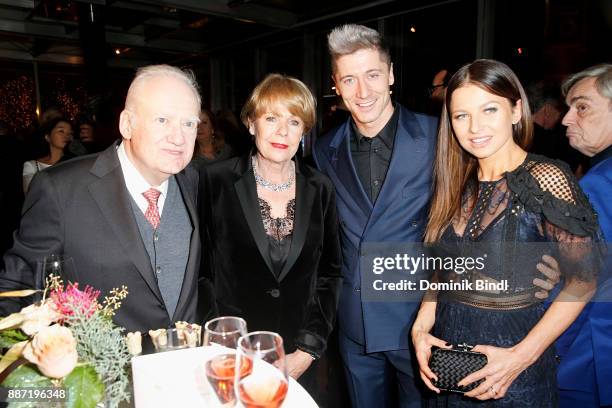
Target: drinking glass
{"type": "Point", "coordinates": [58, 265]}
{"type": "Point", "coordinates": [220, 369]}
{"type": "Point", "coordinates": [176, 339]}
{"type": "Point", "coordinates": [265, 383]}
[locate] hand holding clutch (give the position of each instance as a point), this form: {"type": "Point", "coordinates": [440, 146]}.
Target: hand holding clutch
{"type": "Point", "coordinates": [452, 365]}
{"type": "Point", "coordinates": [424, 342]}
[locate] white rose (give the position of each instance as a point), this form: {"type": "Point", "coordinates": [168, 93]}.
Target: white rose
{"type": "Point", "coordinates": [53, 350]}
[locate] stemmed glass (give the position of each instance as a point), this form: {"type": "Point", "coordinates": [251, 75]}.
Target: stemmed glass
{"type": "Point", "coordinates": [266, 383]}
{"type": "Point", "coordinates": [220, 369]}
{"type": "Point", "coordinates": [57, 265]}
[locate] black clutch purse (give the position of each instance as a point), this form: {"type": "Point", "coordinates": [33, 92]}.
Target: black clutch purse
{"type": "Point", "coordinates": [453, 365]}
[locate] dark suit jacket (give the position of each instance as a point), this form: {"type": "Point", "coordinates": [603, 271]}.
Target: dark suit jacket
{"type": "Point", "coordinates": [399, 215]}
{"type": "Point", "coordinates": [301, 304]}
{"type": "Point", "coordinates": [81, 209]}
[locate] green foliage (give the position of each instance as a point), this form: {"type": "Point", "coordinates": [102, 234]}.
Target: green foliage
{"type": "Point", "coordinates": [26, 376]}
{"type": "Point", "coordinates": [84, 387]}
{"type": "Point", "coordinates": [10, 337]}
{"type": "Point", "coordinates": [101, 344]}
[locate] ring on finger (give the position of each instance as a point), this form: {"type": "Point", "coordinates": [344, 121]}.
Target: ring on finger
{"type": "Point", "coordinates": [492, 391]}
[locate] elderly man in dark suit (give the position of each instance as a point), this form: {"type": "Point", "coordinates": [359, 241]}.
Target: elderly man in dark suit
{"type": "Point", "coordinates": [127, 215]}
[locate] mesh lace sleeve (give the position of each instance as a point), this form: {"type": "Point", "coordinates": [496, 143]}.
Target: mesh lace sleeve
{"type": "Point", "coordinates": [549, 188]}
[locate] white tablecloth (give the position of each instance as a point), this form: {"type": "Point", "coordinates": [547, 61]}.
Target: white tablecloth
{"type": "Point", "coordinates": [177, 379]}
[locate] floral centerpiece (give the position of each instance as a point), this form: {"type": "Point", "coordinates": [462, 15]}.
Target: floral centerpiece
{"type": "Point", "coordinates": [67, 340]}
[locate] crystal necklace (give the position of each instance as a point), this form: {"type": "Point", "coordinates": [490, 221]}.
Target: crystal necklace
{"type": "Point", "coordinates": [271, 186]}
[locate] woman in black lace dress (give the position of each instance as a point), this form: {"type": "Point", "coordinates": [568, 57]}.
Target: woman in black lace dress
{"type": "Point", "coordinates": [271, 234]}
{"type": "Point", "coordinates": [493, 197]}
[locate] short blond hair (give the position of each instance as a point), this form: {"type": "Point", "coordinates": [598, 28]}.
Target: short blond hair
{"type": "Point", "coordinates": [278, 89]}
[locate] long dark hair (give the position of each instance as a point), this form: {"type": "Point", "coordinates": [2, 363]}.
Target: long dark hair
{"type": "Point", "coordinates": [454, 168]}
{"type": "Point", "coordinates": [46, 129]}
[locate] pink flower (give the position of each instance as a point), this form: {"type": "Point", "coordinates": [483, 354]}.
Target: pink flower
{"type": "Point", "coordinates": [71, 299]}
{"type": "Point", "coordinates": [53, 350]}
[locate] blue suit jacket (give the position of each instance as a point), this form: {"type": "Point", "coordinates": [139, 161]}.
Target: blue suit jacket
{"type": "Point", "coordinates": [597, 184]}
{"type": "Point", "coordinates": [586, 346]}
{"type": "Point", "coordinates": [399, 215]}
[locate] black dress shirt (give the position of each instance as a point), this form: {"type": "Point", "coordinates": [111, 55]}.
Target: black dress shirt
{"type": "Point", "coordinates": [372, 155]}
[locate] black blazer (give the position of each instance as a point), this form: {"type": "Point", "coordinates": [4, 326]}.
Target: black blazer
{"type": "Point", "coordinates": [301, 303]}
{"type": "Point", "coordinates": [81, 208]}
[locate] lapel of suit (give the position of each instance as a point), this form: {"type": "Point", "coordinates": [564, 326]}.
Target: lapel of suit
{"type": "Point", "coordinates": [404, 153]}
{"type": "Point", "coordinates": [247, 195]}
{"type": "Point", "coordinates": [113, 199]}
{"type": "Point", "coordinates": [345, 177]}
{"type": "Point", "coordinates": [304, 198]}
{"type": "Point", "coordinates": [193, 267]}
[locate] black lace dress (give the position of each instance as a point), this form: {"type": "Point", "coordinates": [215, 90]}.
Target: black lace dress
{"type": "Point", "coordinates": [279, 232]}
{"type": "Point", "coordinates": [513, 220]}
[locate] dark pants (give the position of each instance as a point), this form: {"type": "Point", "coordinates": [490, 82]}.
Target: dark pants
{"type": "Point", "coordinates": [383, 379]}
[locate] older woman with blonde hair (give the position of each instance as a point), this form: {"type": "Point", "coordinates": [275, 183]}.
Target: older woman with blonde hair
{"type": "Point", "coordinates": [272, 236]}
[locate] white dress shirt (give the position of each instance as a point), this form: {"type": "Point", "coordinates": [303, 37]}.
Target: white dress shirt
{"type": "Point", "coordinates": [136, 183]}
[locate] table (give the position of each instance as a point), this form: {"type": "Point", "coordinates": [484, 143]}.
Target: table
{"type": "Point", "coordinates": [177, 378]}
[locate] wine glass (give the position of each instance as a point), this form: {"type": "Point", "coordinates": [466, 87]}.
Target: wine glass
{"type": "Point", "coordinates": [225, 332]}
{"type": "Point", "coordinates": [265, 383]}
{"type": "Point", "coordinates": [59, 266]}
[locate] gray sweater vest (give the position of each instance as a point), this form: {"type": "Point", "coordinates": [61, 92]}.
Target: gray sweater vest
{"type": "Point", "coordinates": [168, 246]}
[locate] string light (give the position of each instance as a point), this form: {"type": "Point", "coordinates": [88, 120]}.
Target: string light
{"type": "Point", "coordinates": [70, 101]}
{"type": "Point", "coordinates": [18, 101]}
